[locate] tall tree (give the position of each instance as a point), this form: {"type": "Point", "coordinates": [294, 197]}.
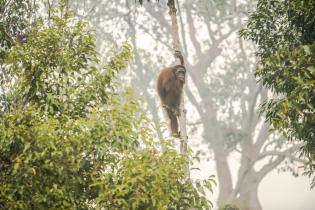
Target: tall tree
{"type": "Point", "coordinates": [284, 32]}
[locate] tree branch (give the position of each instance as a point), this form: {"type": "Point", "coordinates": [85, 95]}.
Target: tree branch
{"type": "Point", "coordinates": [269, 167]}
{"type": "Point", "coordinates": [192, 31]}
{"type": "Point", "coordinates": [262, 136]}
{"type": "Point", "coordinates": [160, 18]}
{"type": "Point", "coordinates": [193, 100]}
{"type": "Point", "coordinates": [288, 152]}
{"type": "Point", "coordinates": [182, 28]}
{"type": "Point", "coordinates": [182, 116]}
{"type": "Point", "coordinates": [156, 38]}
{"type": "Point", "coordinates": [251, 113]}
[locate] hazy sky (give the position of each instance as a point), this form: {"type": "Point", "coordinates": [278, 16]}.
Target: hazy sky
{"type": "Point", "coordinates": [281, 191]}
{"type": "Point", "coordinates": [277, 191]}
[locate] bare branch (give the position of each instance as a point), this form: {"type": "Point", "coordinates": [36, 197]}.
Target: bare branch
{"type": "Point", "coordinates": [160, 18]}
{"type": "Point", "coordinates": [251, 113]}
{"type": "Point", "coordinates": [269, 167]}
{"type": "Point", "coordinates": [156, 38]}
{"type": "Point", "coordinates": [193, 100]}
{"type": "Point", "coordinates": [208, 56]}
{"type": "Point", "coordinates": [262, 136]}
{"type": "Point", "coordinates": [183, 34]}
{"type": "Point", "coordinates": [210, 33]}
{"type": "Point", "coordinates": [288, 152]}
{"type": "Point", "coordinates": [192, 31]}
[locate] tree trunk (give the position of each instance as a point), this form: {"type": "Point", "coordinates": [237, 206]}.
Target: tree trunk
{"type": "Point", "coordinates": [248, 197]}
{"type": "Point", "coordinates": [224, 177]}
{"type": "Point", "coordinates": [182, 117]}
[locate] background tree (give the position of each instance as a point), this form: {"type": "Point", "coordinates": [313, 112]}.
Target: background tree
{"type": "Point", "coordinates": [223, 96]}
{"type": "Point", "coordinates": [284, 32]}
{"type": "Point", "coordinates": [71, 133]}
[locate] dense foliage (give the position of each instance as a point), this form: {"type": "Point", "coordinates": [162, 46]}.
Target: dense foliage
{"type": "Point", "coordinates": [72, 139]}
{"type": "Point", "coordinates": [285, 34]}
{"type": "Point", "coordinates": [15, 20]}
